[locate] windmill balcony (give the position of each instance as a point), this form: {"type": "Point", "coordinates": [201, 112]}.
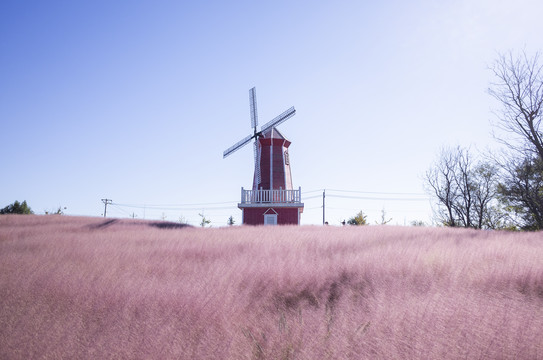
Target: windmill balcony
{"type": "Point", "coordinates": [275, 197]}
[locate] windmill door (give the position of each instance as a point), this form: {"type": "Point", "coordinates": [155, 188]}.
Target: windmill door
{"type": "Point", "coordinates": [270, 219]}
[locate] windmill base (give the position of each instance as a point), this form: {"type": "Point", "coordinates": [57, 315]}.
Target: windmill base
{"type": "Point", "coordinates": [271, 215]}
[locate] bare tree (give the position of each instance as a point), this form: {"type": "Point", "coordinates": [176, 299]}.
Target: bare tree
{"type": "Point", "coordinates": [440, 180]}
{"type": "Point", "coordinates": [384, 219]}
{"type": "Point", "coordinates": [487, 212]}
{"type": "Point", "coordinates": [205, 221]}
{"type": "Point", "coordinates": [465, 190]}
{"type": "Point", "coordinates": [464, 185]}
{"type": "Point", "coordinates": [519, 89]}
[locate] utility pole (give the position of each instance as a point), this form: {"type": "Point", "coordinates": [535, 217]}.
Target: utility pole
{"type": "Point", "coordinates": [106, 201]}
{"type": "Point", "coordinates": [323, 207]}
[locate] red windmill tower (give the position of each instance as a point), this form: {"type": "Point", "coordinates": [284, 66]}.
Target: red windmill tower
{"type": "Point", "coordinates": [272, 199]}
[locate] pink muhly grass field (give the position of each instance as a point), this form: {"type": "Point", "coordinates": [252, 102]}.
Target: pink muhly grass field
{"type": "Point", "coordinates": [92, 288]}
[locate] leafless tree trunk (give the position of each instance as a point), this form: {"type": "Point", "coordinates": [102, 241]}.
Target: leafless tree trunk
{"type": "Point", "coordinates": [485, 176]}
{"type": "Point", "coordinates": [440, 180]}
{"type": "Point", "coordinates": [464, 185]}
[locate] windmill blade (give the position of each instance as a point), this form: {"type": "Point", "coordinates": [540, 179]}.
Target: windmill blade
{"type": "Point", "coordinates": [279, 119]}
{"type": "Point", "coordinates": [254, 112]}
{"type": "Point", "coordinates": [257, 163]}
{"type": "Point", "coordinates": [237, 146]}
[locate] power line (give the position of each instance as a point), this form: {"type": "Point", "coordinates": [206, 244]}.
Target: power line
{"type": "Point", "coordinates": [180, 207]}
{"type": "Point", "coordinates": [312, 191]}
{"type": "Point", "coordinates": [216, 206]}
{"type": "Point", "coordinates": [376, 192]}
{"type": "Point", "coordinates": [373, 210]}
{"type": "Point", "coordinates": [312, 197]}
{"type": "Point", "coordinates": [365, 192]}
{"type": "Point", "coordinates": [121, 209]}
{"type": "Point", "coordinates": [165, 206]}
{"type": "Point", "coordinates": [378, 198]}
{"type": "Point", "coordinates": [313, 208]}
{"type": "Point", "coordinates": [205, 204]}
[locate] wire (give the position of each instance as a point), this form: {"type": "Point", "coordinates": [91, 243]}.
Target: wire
{"type": "Point", "coordinates": [178, 206]}
{"type": "Point", "coordinates": [119, 209]}
{"type": "Point", "coordinates": [206, 206]}
{"type": "Point", "coordinates": [377, 210]}
{"type": "Point", "coordinates": [376, 193]}
{"type": "Point", "coordinates": [378, 198]}
{"type": "Point", "coordinates": [312, 191]}
{"type": "Point", "coordinates": [312, 197]}
{"type": "Point", "coordinates": [163, 206]}
{"type": "Point", "coordinates": [177, 209]}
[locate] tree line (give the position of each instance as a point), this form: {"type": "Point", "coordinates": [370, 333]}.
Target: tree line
{"type": "Point", "coordinates": [502, 190]}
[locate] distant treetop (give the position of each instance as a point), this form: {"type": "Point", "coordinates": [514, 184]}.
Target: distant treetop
{"type": "Point", "coordinates": [17, 208]}
{"type": "Point", "coordinates": [358, 219]}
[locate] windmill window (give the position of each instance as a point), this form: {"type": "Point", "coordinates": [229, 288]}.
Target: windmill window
{"type": "Point", "coordinates": [287, 160]}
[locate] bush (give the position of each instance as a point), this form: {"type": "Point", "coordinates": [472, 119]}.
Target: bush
{"type": "Point", "coordinates": [359, 219]}
{"type": "Point", "coordinates": [17, 208]}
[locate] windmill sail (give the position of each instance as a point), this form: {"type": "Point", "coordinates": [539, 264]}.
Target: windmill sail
{"type": "Point", "coordinates": [237, 146]}
{"type": "Point", "coordinates": [279, 119]}
{"type": "Point", "coordinates": [257, 179]}
{"type": "Point", "coordinates": [254, 111]}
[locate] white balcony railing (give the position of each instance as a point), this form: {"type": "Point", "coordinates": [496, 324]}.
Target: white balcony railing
{"type": "Point", "coordinates": [271, 196]}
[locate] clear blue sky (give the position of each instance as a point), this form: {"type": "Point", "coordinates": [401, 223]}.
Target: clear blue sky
{"type": "Point", "coordinates": [135, 101]}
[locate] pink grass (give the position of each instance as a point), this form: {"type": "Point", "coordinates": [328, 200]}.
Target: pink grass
{"type": "Point", "coordinates": [71, 288]}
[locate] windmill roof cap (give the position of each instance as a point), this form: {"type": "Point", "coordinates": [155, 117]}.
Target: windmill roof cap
{"type": "Point", "coordinates": [273, 133]}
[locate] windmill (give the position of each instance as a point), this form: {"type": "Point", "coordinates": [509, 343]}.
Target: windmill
{"type": "Point", "coordinates": [272, 200]}
{"type": "Point", "coordinates": [256, 134]}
